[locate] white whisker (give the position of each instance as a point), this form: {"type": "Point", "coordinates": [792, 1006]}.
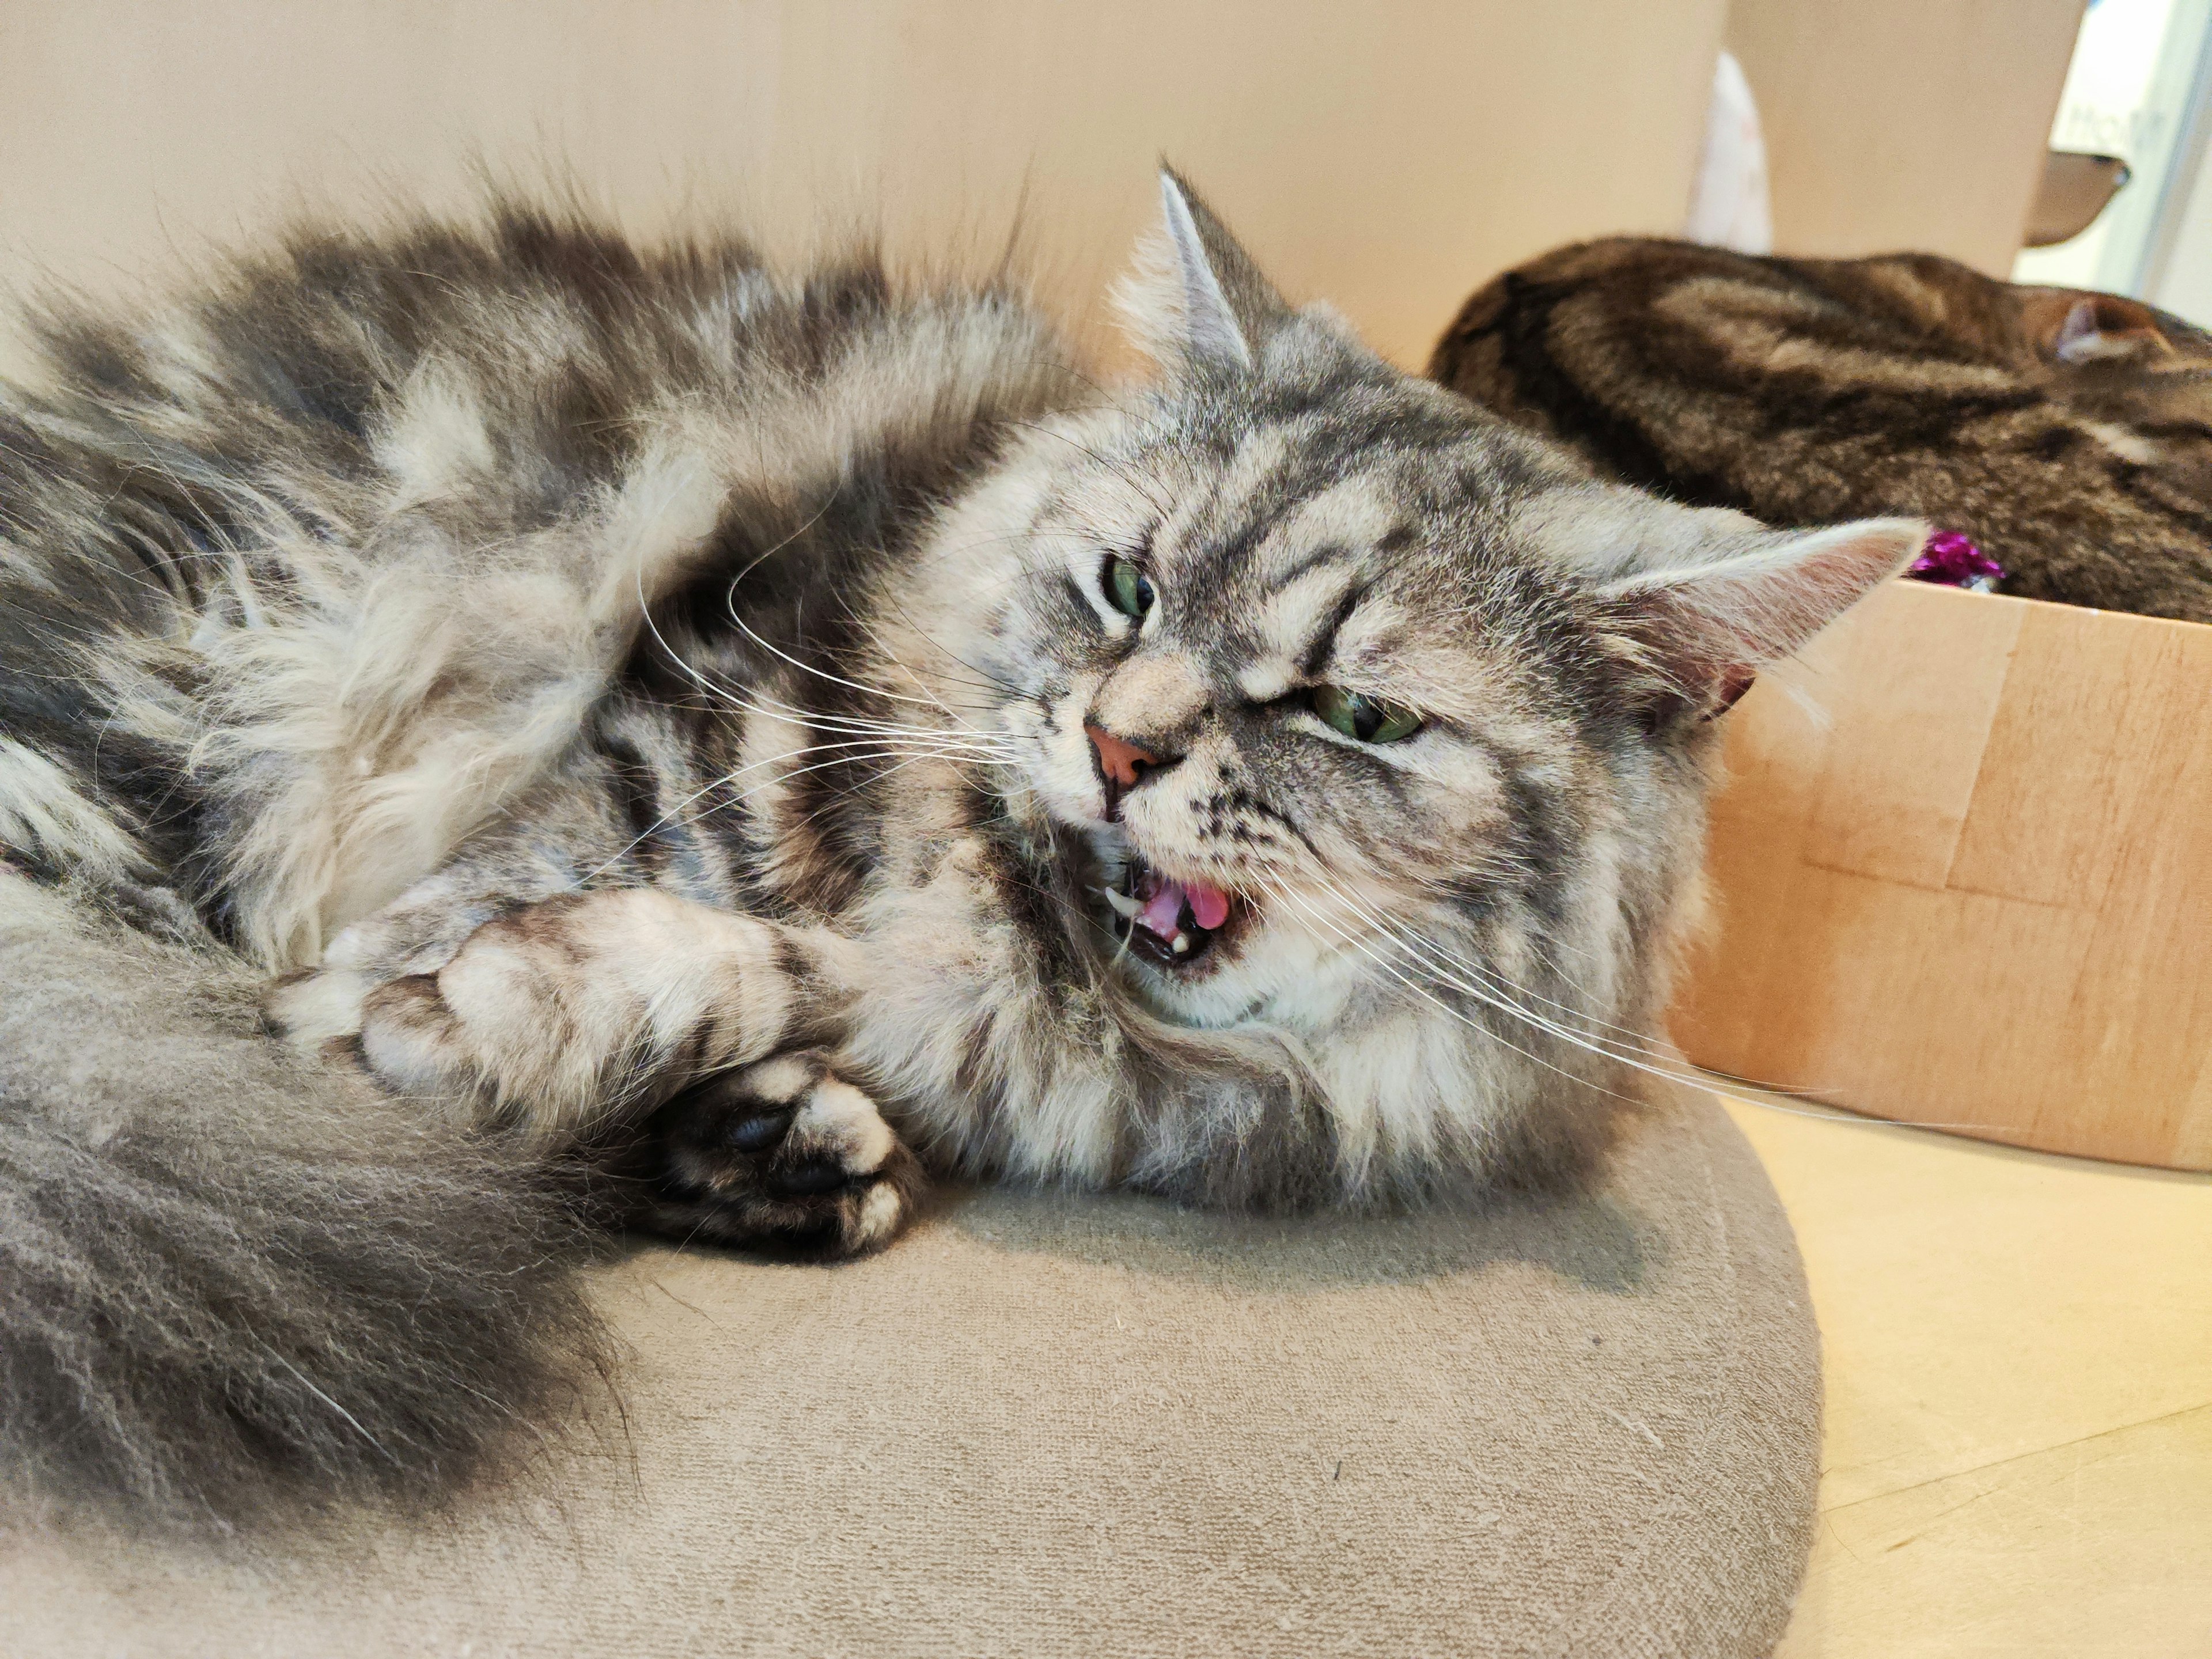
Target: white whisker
{"type": "Point", "coordinates": [808, 668]}
{"type": "Point", "coordinates": [1411, 949]}
{"type": "Point", "coordinates": [1426, 995]}
{"type": "Point", "coordinates": [873, 748]}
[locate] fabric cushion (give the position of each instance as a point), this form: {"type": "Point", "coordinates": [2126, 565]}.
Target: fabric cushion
{"type": "Point", "coordinates": [1048, 1425]}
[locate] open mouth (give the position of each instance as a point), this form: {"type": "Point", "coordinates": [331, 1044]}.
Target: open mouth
{"type": "Point", "coordinates": [1174, 923]}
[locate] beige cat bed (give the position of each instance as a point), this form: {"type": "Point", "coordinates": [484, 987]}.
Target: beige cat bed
{"type": "Point", "coordinates": [1052, 1426]}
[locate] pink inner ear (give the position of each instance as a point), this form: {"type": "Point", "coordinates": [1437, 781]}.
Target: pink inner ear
{"type": "Point", "coordinates": [1703, 631]}
{"type": "Point", "coordinates": [2076, 333]}
{"type": "Point", "coordinates": [1735, 682]}
{"type": "Point", "coordinates": [2107, 325]}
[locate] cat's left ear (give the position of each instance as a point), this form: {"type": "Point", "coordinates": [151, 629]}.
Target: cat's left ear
{"type": "Point", "coordinates": [1695, 636]}
{"type": "Point", "coordinates": [2074, 327]}
{"type": "Point", "coordinates": [1195, 298]}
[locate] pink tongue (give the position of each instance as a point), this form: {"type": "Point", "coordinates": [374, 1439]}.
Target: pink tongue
{"type": "Point", "coordinates": [1209, 907]}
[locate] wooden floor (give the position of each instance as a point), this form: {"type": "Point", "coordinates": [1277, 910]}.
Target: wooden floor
{"type": "Point", "coordinates": [2019, 1360]}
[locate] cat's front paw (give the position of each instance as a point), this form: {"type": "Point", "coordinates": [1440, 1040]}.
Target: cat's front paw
{"type": "Point", "coordinates": [781, 1152]}
{"type": "Point", "coordinates": [316, 1010]}
{"type": "Point", "coordinates": [563, 1015]}
{"type": "Point", "coordinates": [319, 1010]}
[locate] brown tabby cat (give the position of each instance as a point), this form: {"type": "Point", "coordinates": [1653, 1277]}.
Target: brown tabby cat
{"type": "Point", "coordinates": [2069, 434]}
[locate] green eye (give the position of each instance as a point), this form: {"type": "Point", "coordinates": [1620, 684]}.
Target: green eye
{"type": "Point", "coordinates": [1370, 720]}
{"type": "Point", "coordinates": [1127, 587]}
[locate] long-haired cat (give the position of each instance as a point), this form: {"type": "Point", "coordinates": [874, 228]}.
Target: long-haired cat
{"type": "Point", "coordinates": [761, 737]}
{"type": "Point", "coordinates": [2069, 434]}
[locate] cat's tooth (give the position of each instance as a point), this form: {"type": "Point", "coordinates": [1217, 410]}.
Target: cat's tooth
{"type": "Point", "coordinates": [1181, 944]}
{"type": "Point", "coordinates": [1124, 906]}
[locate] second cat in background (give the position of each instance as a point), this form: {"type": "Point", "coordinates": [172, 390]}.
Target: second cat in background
{"type": "Point", "coordinates": [2069, 434]}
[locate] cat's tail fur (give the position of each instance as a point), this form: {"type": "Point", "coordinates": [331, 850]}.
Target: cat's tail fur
{"type": "Point", "coordinates": [236, 1284]}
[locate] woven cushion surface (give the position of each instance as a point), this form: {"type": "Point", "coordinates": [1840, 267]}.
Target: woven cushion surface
{"type": "Point", "coordinates": [1049, 1425]}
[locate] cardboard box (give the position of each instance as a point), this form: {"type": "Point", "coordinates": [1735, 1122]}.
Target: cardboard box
{"type": "Point", "coordinates": [1962, 873]}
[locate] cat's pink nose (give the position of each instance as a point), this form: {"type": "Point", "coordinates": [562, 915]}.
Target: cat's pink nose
{"type": "Point", "coordinates": [1121, 762]}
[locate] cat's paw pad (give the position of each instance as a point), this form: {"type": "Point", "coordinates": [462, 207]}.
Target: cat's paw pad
{"type": "Point", "coordinates": [781, 1152]}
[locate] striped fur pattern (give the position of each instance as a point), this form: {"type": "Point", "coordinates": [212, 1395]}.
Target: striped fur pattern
{"type": "Point", "coordinates": [2068, 433]}
{"type": "Point", "coordinates": [643, 707]}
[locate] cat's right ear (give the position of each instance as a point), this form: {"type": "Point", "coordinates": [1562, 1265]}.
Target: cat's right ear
{"type": "Point", "coordinates": [1693, 638]}
{"type": "Point", "coordinates": [1196, 299]}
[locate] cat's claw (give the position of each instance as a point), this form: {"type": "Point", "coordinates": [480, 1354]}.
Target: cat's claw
{"type": "Point", "coordinates": [782, 1152]}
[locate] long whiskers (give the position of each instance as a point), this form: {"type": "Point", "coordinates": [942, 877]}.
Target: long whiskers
{"type": "Point", "coordinates": [777, 651]}
{"type": "Point", "coordinates": [1483, 989]}
{"type": "Point", "coordinates": [1427, 959]}
{"type": "Point", "coordinates": [1316, 914]}
{"type": "Point", "coordinates": [856, 751]}
{"type": "Point", "coordinates": [753, 700]}
{"type": "Point", "coordinates": [1449, 964]}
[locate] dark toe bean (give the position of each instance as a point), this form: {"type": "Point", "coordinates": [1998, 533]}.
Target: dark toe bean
{"type": "Point", "coordinates": [757, 1134]}
{"type": "Point", "coordinates": [807, 1179]}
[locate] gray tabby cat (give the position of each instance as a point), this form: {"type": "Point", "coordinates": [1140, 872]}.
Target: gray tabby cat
{"type": "Point", "coordinates": [769, 737]}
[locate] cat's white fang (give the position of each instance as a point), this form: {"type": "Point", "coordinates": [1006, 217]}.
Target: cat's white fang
{"type": "Point", "coordinates": [1124, 906]}
{"type": "Point", "coordinates": [1180, 943]}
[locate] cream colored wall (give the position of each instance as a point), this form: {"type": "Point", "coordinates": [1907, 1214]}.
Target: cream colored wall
{"type": "Point", "coordinates": [2184, 284]}
{"type": "Point", "coordinates": [1904, 124]}
{"type": "Point", "coordinates": [1386, 156]}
